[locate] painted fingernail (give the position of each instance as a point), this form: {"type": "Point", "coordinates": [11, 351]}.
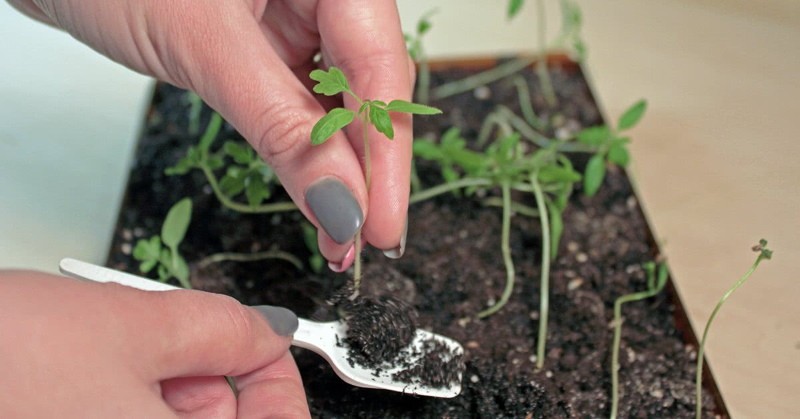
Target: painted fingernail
{"type": "Point", "coordinates": [348, 259]}
{"type": "Point", "coordinates": [336, 209]}
{"type": "Point", "coordinates": [398, 251]}
{"type": "Point", "coordinates": [282, 320]}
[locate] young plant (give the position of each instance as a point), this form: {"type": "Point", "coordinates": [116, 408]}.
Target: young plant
{"type": "Point", "coordinates": [610, 145]}
{"type": "Point", "coordinates": [245, 173]}
{"type": "Point", "coordinates": [763, 253]}
{"type": "Point", "coordinates": [655, 283]}
{"type": "Point", "coordinates": [371, 112]}
{"type": "Point", "coordinates": [417, 52]}
{"type": "Point", "coordinates": [507, 164]}
{"type": "Point", "coordinates": [161, 251]}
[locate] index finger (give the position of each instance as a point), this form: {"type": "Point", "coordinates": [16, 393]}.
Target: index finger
{"type": "Point", "coordinates": [365, 40]}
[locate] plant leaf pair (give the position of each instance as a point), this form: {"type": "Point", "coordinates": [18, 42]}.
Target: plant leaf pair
{"type": "Point", "coordinates": [610, 145]}
{"type": "Point", "coordinates": [374, 112]}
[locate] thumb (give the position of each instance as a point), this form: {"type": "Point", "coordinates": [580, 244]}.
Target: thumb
{"type": "Point", "coordinates": [193, 333]}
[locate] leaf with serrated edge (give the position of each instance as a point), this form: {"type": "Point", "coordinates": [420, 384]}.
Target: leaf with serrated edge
{"type": "Point", "coordinates": [329, 83]}
{"type": "Point", "coordinates": [335, 120]}
{"type": "Point", "coordinates": [412, 108]}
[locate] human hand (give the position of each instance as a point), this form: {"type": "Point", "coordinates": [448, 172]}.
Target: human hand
{"type": "Point", "coordinates": [250, 59]}
{"type": "Point", "coordinates": [77, 349]}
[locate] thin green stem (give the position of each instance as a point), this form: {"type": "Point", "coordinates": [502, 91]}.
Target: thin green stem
{"type": "Point", "coordinates": [249, 257]}
{"type": "Point", "coordinates": [544, 287]}
{"type": "Point", "coordinates": [764, 254]}
{"type": "Point", "coordinates": [525, 106]}
{"type": "Point", "coordinates": [506, 250]}
{"type": "Point", "coordinates": [516, 207]}
{"type": "Point", "coordinates": [236, 206]}
{"type": "Point", "coordinates": [468, 83]}
{"type": "Point", "coordinates": [423, 79]}
{"type": "Point", "coordinates": [494, 119]}
{"type": "Point", "coordinates": [530, 133]}
{"type": "Point", "coordinates": [447, 187]}
{"type": "Point", "coordinates": [541, 64]}
{"type": "Point", "coordinates": [654, 286]}
{"type": "Point", "coordinates": [367, 179]}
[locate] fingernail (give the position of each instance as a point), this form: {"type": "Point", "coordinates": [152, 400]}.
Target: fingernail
{"type": "Point", "coordinates": [336, 209]}
{"type": "Point", "coordinates": [347, 260]}
{"type": "Point", "coordinates": [282, 320]}
{"type": "Point", "coordinates": [398, 251]}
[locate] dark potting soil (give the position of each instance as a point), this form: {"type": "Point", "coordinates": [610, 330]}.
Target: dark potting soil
{"type": "Point", "coordinates": [377, 329]}
{"type": "Point", "coordinates": [452, 269]}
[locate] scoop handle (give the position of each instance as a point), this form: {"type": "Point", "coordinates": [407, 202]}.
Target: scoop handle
{"type": "Point", "coordinates": [91, 272]}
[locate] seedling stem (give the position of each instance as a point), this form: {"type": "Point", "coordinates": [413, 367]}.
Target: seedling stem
{"type": "Point", "coordinates": [763, 253]}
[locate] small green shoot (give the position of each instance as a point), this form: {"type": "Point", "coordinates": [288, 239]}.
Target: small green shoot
{"type": "Point", "coordinates": [315, 261]}
{"type": "Point", "coordinates": [611, 146]}
{"type": "Point", "coordinates": [370, 112]}
{"type": "Point", "coordinates": [162, 251]}
{"type": "Point", "coordinates": [763, 253]}
{"type": "Point", "coordinates": [514, 6]}
{"type": "Point", "coordinates": [655, 283]}
{"type": "Point", "coordinates": [416, 50]}
{"type": "Point", "coordinates": [195, 108]}
{"type": "Point", "coordinates": [245, 173]}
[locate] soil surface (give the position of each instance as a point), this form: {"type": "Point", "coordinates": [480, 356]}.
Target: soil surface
{"type": "Point", "coordinates": [452, 269]}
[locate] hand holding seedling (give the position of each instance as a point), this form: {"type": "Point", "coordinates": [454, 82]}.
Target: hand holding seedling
{"type": "Point", "coordinates": [250, 61]}
{"type": "Point", "coordinates": [80, 349]}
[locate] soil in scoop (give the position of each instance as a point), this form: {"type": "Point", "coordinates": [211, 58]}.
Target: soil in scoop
{"type": "Point", "coordinates": [452, 269]}
{"type": "Point", "coordinates": [377, 329]}
{"type": "Point", "coordinates": [379, 334]}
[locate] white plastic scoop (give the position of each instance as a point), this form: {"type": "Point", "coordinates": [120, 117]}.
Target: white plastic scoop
{"type": "Point", "coordinates": [322, 338]}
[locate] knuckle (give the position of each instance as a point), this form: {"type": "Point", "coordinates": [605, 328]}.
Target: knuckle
{"type": "Point", "coordinates": [239, 321]}
{"type": "Point", "coordinates": [281, 138]}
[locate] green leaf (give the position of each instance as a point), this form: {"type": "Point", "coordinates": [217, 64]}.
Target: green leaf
{"type": "Point", "coordinates": [329, 83]}
{"type": "Point", "coordinates": [618, 154]}
{"type": "Point", "coordinates": [232, 183]}
{"type": "Point", "coordinates": [181, 270]}
{"type": "Point", "coordinates": [148, 265]}
{"type": "Point", "coordinates": [593, 177]}
{"type": "Point", "coordinates": [383, 123]}
{"type": "Point", "coordinates": [632, 116]}
{"type": "Point", "coordinates": [241, 154]}
{"type": "Point", "coordinates": [215, 162]}
{"type": "Point", "coordinates": [335, 120]}
{"type": "Point", "coordinates": [412, 108]}
{"type": "Point", "coordinates": [426, 149]}
{"type": "Point", "coordinates": [256, 191]}
{"type": "Point", "coordinates": [514, 7]}
{"type": "Point", "coordinates": [594, 136]}
{"type": "Point", "coordinates": [553, 173]}
{"type": "Point", "coordinates": [147, 251]}
{"type": "Point", "coordinates": [176, 223]}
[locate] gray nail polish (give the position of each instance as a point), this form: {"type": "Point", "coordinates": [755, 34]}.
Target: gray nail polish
{"type": "Point", "coordinates": [336, 209]}
{"type": "Point", "coordinates": [398, 251]}
{"type": "Point", "coordinates": [282, 320]}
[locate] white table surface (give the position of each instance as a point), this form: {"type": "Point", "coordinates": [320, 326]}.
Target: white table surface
{"type": "Point", "coordinates": [715, 157]}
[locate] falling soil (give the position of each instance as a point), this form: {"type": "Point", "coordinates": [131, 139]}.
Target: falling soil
{"type": "Point", "coordinates": [452, 269]}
